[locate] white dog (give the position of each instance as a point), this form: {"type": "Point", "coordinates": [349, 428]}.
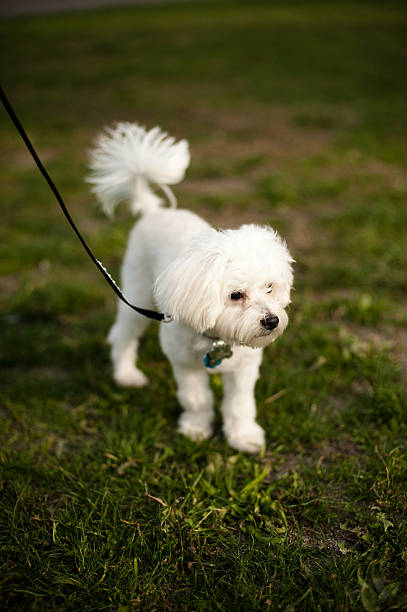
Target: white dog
{"type": "Point", "coordinates": [226, 291]}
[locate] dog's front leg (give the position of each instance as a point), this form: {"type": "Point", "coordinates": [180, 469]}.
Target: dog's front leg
{"type": "Point", "coordinates": [196, 399]}
{"type": "Point", "coordinates": [239, 410]}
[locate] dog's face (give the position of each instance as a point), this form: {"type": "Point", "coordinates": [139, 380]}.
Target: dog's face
{"type": "Point", "coordinates": [254, 310]}
{"type": "Point", "coordinates": [234, 285]}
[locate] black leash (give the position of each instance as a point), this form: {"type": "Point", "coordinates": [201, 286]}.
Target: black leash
{"type": "Point", "coordinates": [151, 314]}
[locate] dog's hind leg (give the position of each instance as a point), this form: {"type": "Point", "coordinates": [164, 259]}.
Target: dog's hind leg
{"type": "Point", "coordinates": [123, 339]}
{"type": "Point", "coordinates": [129, 326]}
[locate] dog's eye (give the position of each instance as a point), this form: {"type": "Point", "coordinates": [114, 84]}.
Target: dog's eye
{"type": "Point", "coordinates": [236, 295]}
{"type": "Point", "coordinates": [269, 288]}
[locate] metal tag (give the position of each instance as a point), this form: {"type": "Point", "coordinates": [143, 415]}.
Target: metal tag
{"type": "Point", "coordinates": [218, 351]}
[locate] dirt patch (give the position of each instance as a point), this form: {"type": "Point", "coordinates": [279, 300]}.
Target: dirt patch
{"type": "Point", "coordinates": [332, 452]}
{"type": "Point", "coordinates": [333, 540]}
{"type": "Point", "coordinates": [216, 187]}
{"type": "Point", "coordinates": [360, 174]}
{"type": "Point", "coordinates": [21, 158]}
{"type": "Point", "coordinates": [8, 286]}
{"type": "Point", "coordinates": [271, 131]}
{"type": "Point", "coordinates": [394, 175]}
{"type": "Point", "coordinates": [291, 462]}
{"type": "Point", "coordinates": [299, 228]}
{"type": "Point", "coordinates": [398, 351]}
{"type": "Point", "coordinates": [229, 217]}
{"type": "Point", "coordinates": [391, 339]}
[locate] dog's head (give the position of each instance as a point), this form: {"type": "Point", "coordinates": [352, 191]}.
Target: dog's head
{"type": "Point", "coordinates": [234, 284]}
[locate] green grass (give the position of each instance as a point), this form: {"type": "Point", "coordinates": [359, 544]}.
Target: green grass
{"type": "Point", "coordinates": [296, 117]}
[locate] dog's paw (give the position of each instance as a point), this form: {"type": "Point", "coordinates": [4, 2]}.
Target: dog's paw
{"type": "Point", "coordinates": [131, 378]}
{"type": "Point", "coordinates": [248, 437]}
{"type": "Point", "coordinates": [195, 426]}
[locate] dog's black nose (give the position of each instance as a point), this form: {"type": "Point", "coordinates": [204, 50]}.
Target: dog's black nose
{"type": "Point", "coordinates": [270, 321]}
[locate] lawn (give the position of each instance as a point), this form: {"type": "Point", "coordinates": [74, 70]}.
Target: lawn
{"type": "Point", "coordinates": [296, 116]}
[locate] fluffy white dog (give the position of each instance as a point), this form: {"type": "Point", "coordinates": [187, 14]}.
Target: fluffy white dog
{"type": "Point", "coordinates": [226, 291]}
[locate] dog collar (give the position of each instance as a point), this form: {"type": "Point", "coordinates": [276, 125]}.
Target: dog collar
{"type": "Point", "coordinates": [217, 352]}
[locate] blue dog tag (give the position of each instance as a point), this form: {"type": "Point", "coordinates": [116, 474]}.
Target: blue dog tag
{"type": "Point", "coordinates": [218, 351]}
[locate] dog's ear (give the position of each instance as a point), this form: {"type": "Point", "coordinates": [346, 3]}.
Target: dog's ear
{"type": "Point", "coordinates": [191, 287]}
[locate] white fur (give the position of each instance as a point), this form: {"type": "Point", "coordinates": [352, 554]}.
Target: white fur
{"type": "Point", "coordinates": [177, 263]}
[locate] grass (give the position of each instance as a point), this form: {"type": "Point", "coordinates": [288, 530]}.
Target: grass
{"type": "Point", "coordinates": [296, 117]}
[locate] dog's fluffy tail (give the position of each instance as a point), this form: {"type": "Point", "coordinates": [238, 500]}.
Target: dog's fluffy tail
{"type": "Point", "coordinates": [128, 161]}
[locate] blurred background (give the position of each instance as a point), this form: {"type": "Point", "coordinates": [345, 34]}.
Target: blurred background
{"type": "Point", "coordinates": [295, 114]}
